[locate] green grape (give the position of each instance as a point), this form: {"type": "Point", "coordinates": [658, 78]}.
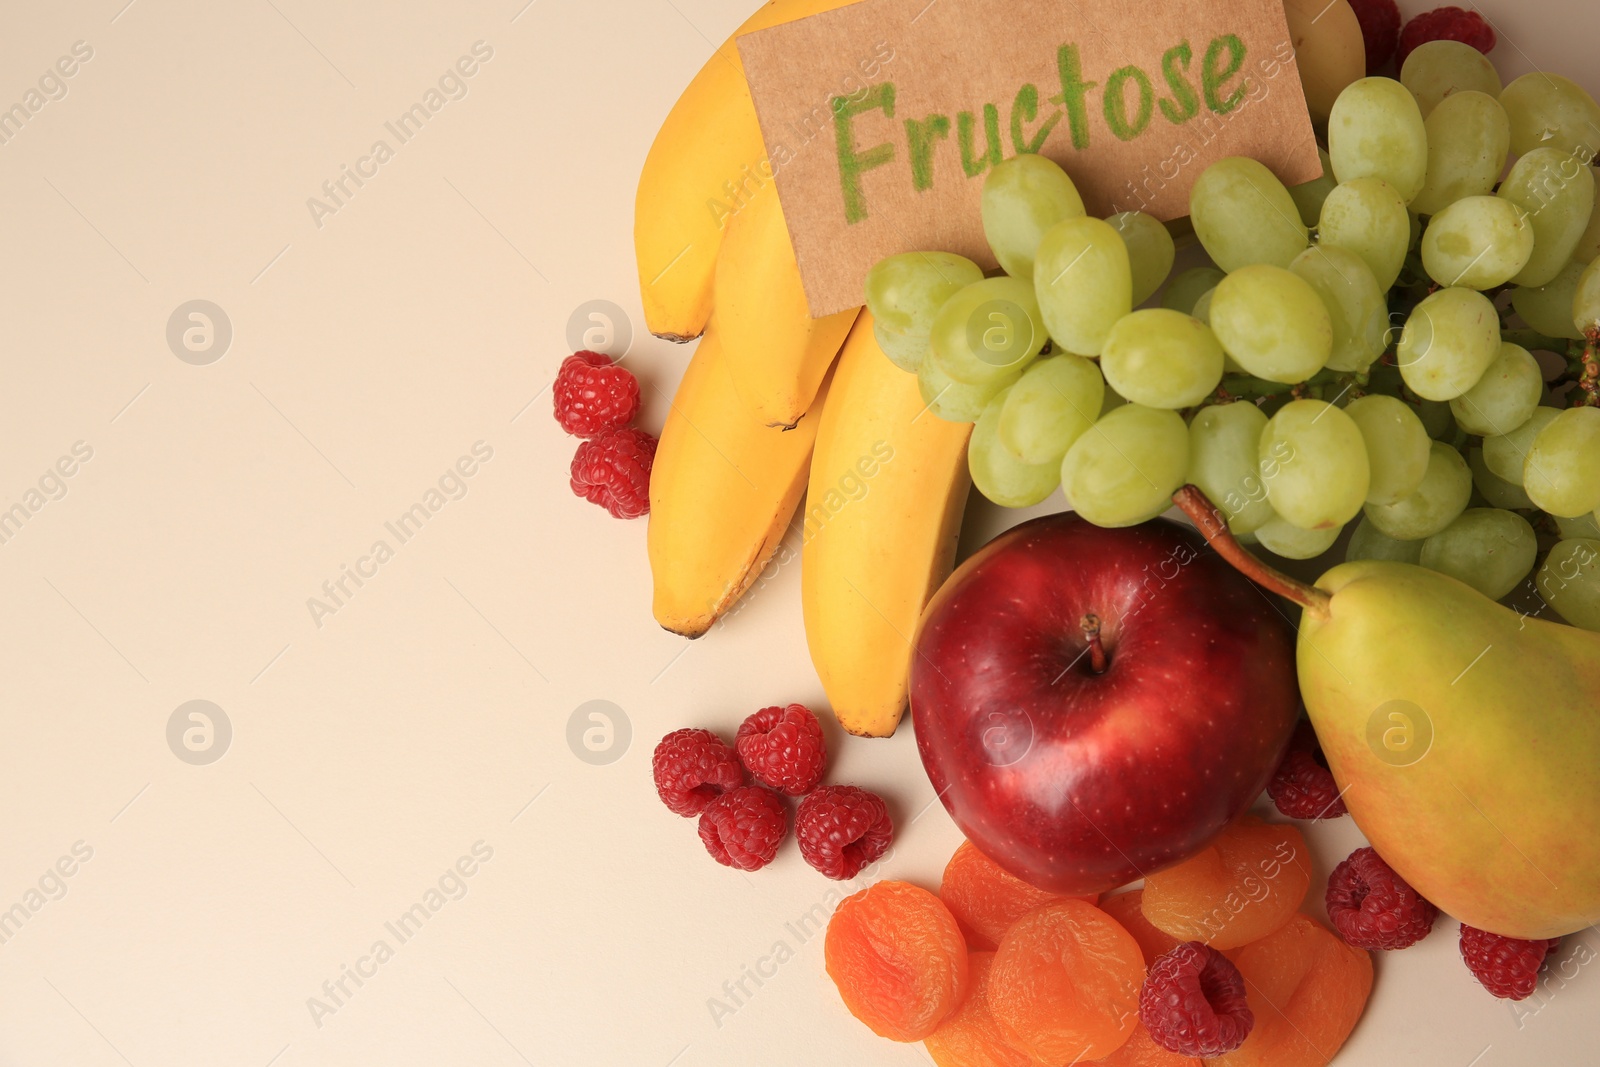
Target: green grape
{"type": "Point", "coordinates": [1443, 495]}
{"type": "Point", "coordinates": [1188, 286]}
{"type": "Point", "coordinates": [1507, 454]}
{"type": "Point", "coordinates": [1438, 70]}
{"type": "Point", "coordinates": [1438, 419]}
{"type": "Point", "coordinates": [1549, 111]}
{"type": "Point", "coordinates": [1548, 308]}
{"type": "Point", "coordinates": [1243, 215]}
{"type": "Point", "coordinates": [1586, 300]}
{"type": "Point", "coordinates": [1224, 462]}
{"type": "Point", "coordinates": [1084, 283]}
{"type": "Point", "coordinates": [1469, 137]}
{"type": "Point", "coordinates": [1589, 244]}
{"type": "Point", "coordinates": [1283, 538]}
{"type": "Point", "coordinates": [1376, 131]}
{"type": "Point", "coordinates": [1368, 216]}
{"type": "Point", "coordinates": [1273, 323]}
{"type": "Point", "coordinates": [999, 475]}
{"type": "Point", "coordinates": [1495, 489]}
{"type": "Point", "coordinates": [1569, 581]}
{"type": "Point", "coordinates": [1558, 196]}
{"type": "Point", "coordinates": [955, 401]}
{"type": "Point", "coordinates": [1356, 306]}
{"type": "Point", "coordinates": [1397, 443]}
{"type": "Point", "coordinates": [1478, 242]}
{"type": "Point", "coordinates": [1369, 542]}
{"type": "Point", "coordinates": [904, 294]}
{"type": "Point", "coordinates": [1308, 197]}
{"type": "Point", "coordinates": [1487, 548]}
{"type": "Point", "coordinates": [1056, 400]}
{"type": "Point", "coordinates": [1562, 471]}
{"type": "Point", "coordinates": [987, 331]}
{"type": "Point", "coordinates": [1022, 198]}
{"type": "Point", "coordinates": [1504, 397]}
{"type": "Point", "coordinates": [1314, 464]}
{"type": "Point", "coordinates": [1202, 306]}
{"type": "Point", "coordinates": [1124, 470]}
{"type": "Point", "coordinates": [1162, 359]}
{"type": "Point", "coordinates": [1150, 251]}
{"type": "Point", "coordinates": [1448, 342]}
{"type": "Point", "coordinates": [1581, 526]}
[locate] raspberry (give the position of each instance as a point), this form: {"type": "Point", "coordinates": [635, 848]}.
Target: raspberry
{"type": "Point", "coordinates": [1303, 787]}
{"type": "Point", "coordinates": [1446, 24]}
{"type": "Point", "coordinates": [1380, 29]}
{"type": "Point", "coordinates": [692, 768]}
{"type": "Point", "coordinates": [782, 748]}
{"type": "Point", "coordinates": [842, 829]}
{"type": "Point", "coordinates": [612, 469]}
{"type": "Point", "coordinates": [593, 394]}
{"type": "Point", "coordinates": [1506, 966]}
{"type": "Point", "coordinates": [1372, 907]}
{"type": "Point", "coordinates": [744, 828]}
{"type": "Point", "coordinates": [1193, 1002]}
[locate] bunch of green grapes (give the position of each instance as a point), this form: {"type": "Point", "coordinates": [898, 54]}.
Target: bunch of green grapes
{"type": "Point", "coordinates": [1358, 354]}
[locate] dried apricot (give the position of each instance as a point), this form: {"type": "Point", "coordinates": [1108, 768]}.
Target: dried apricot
{"type": "Point", "coordinates": [986, 898]}
{"type": "Point", "coordinates": [898, 958]}
{"type": "Point", "coordinates": [1243, 886]}
{"type": "Point", "coordinates": [1141, 1050]}
{"type": "Point", "coordinates": [1307, 989]}
{"type": "Point", "coordinates": [1126, 909]}
{"type": "Point", "coordinates": [1065, 983]}
{"type": "Point", "coordinates": [970, 1037]}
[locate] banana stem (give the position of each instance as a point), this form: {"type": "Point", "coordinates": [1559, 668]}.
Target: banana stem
{"type": "Point", "coordinates": [1208, 520]}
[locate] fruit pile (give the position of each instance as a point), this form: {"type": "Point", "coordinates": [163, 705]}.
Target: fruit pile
{"type": "Point", "coordinates": [841, 829]}
{"type": "Point", "coordinates": [1350, 355]}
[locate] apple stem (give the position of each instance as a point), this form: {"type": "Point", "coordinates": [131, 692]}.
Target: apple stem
{"type": "Point", "coordinates": [1097, 651]}
{"type": "Point", "coordinates": [1209, 521]}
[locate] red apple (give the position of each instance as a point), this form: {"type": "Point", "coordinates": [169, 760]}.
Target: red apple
{"type": "Point", "coordinates": [1094, 705]}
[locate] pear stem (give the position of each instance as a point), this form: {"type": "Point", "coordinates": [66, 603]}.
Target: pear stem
{"type": "Point", "coordinates": [1208, 520]}
{"type": "Point", "coordinates": [1098, 662]}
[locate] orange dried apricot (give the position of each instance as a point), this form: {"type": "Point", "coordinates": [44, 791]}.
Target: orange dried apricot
{"type": "Point", "coordinates": [898, 958]}
{"type": "Point", "coordinates": [1141, 1050]}
{"type": "Point", "coordinates": [1307, 989]}
{"type": "Point", "coordinates": [1127, 909]}
{"type": "Point", "coordinates": [986, 898]}
{"type": "Point", "coordinates": [1243, 886]}
{"type": "Point", "coordinates": [1065, 981]}
{"type": "Point", "coordinates": [970, 1037]}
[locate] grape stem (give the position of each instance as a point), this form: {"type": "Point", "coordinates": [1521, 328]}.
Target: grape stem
{"type": "Point", "coordinates": [1209, 521]}
{"type": "Point", "coordinates": [1098, 661]}
{"type": "Point", "coordinates": [1589, 376]}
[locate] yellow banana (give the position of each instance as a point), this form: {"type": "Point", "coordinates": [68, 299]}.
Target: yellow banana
{"type": "Point", "coordinates": [777, 352]}
{"type": "Point", "coordinates": [722, 493]}
{"type": "Point", "coordinates": [888, 485]}
{"type": "Point", "coordinates": [707, 159]}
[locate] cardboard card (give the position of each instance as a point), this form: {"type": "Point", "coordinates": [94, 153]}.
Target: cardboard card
{"type": "Point", "coordinates": [882, 119]}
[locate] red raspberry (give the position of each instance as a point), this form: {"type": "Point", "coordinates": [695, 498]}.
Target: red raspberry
{"type": "Point", "coordinates": [744, 828]}
{"type": "Point", "coordinates": [692, 768]}
{"type": "Point", "coordinates": [1303, 787]}
{"type": "Point", "coordinates": [842, 829]}
{"type": "Point", "coordinates": [1446, 24]}
{"type": "Point", "coordinates": [613, 470]}
{"type": "Point", "coordinates": [1380, 29]}
{"type": "Point", "coordinates": [1506, 966]}
{"type": "Point", "coordinates": [1193, 1002]}
{"type": "Point", "coordinates": [782, 748]}
{"type": "Point", "coordinates": [593, 394]}
{"type": "Point", "coordinates": [1372, 907]}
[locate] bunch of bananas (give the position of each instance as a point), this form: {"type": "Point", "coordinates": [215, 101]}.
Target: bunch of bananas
{"type": "Point", "coordinates": [775, 405]}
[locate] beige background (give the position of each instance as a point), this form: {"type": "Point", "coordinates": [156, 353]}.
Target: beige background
{"type": "Point", "coordinates": [430, 711]}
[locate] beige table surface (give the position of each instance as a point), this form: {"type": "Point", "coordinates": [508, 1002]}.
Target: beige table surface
{"type": "Point", "coordinates": [420, 722]}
